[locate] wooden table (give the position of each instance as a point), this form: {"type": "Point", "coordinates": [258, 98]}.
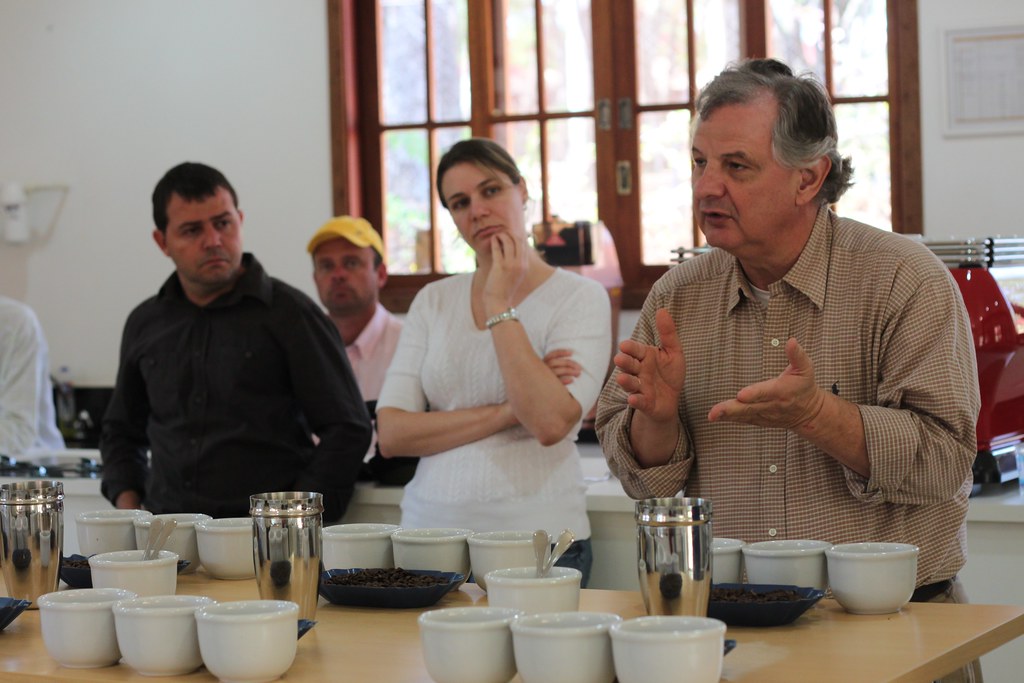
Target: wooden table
{"type": "Point", "coordinates": [920, 643]}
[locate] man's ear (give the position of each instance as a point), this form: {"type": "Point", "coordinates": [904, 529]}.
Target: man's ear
{"type": "Point", "coordinates": [811, 180]}
{"type": "Point", "coordinates": [382, 275]}
{"type": "Point", "coordinates": [160, 237]}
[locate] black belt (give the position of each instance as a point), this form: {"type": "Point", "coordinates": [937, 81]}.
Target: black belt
{"type": "Point", "coordinates": [927, 592]}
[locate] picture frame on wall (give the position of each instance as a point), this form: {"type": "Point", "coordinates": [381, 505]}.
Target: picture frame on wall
{"type": "Point", "coordinates": [984, 81]}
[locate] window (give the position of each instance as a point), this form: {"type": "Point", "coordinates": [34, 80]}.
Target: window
{"type": "Point", "coordinates": [594, 99]}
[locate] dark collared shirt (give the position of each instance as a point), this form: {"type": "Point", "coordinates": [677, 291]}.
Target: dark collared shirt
{"type": "Point", "coordinates": [227, 398]}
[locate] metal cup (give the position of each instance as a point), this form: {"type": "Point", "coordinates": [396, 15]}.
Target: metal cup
{"type": "Point", "coordinates": [673, 540]}
{"type": "Point", "coordinates": [32, 529]}
{"type": "Point", "coordinates": [286, 546]}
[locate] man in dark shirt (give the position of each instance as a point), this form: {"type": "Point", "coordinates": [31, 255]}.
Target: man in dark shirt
{"type": "Point", "coordinates": [234, 381]}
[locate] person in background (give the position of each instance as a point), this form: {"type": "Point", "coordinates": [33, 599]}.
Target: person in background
{"type": "Point", "coordinates": [226, 375]}
{"type": "Point", "coordinates": [349, 270]}
{"type": "Point", "coordinates": [495, 371]}
{"type": "Point", "coordinates": [795, 374]}
{"type": "Point", "coordinates": [27, 417]}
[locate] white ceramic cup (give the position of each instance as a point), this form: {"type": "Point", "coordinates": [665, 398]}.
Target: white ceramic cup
{"type": "Point", "coordinates": [668, 648]}
{"type": "Point", "coordinates": [564, 647]}
{"type": "Point", "coordinates": [490, 550]}
{"type": "Point", "coordinates": [468, 644]}
{"type": "Point", "coordinates": [182, 540]}
{"type": "Point", "coordinates": [520, 588]}
{"type": "Point", "coordinates": [157, 634]}
{"type": "Point", "coordinates": [358, 546]}
{"type": "Point", "coordinates": [872, 578]}
{"type": "Point", "coordinates": [248, 640]}
{"type": "Point", "coordinates": [78, 626]}
{"type": "Point", "coordinates": [103, 531]}
{"type": "Point", "coordinates": [126, 569]}
{"type": "Point", "coordinates": [445, 550]}
{"type": "Point", "coordinates": [225, 547]}
{"type": "Point", "coordinates": [790, 562]}
{"type": "Point", "coordinates": [726, 560]}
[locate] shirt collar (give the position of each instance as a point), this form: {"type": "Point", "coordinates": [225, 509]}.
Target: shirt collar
{"type": "Point", "coordinates": [371, 334]}
{"type": "Point", "coordinates": [806, 276]}
{"type": "Point", "coordinates": [254, 283]}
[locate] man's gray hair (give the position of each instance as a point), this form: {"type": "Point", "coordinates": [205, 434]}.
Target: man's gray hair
{"type": "Point", "coordinates": [805, 130]}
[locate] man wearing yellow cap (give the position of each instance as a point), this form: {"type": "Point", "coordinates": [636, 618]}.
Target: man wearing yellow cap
{"type": "Point", "coordinates": [349, 270]}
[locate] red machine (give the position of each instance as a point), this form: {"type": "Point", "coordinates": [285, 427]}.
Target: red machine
{"type": "Point", "coordinates": [990, 274]}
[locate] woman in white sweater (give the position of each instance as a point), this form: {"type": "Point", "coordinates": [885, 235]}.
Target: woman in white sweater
{"type": "Point", "coordinates": [495, 370]}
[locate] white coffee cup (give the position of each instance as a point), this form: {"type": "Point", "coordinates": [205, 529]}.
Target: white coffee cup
{"type": "Point", "coordinates": [666, 648]}
{"type": "Point", "coordinates": [564, 647]}
{"type": "Point", "coordinates": [104, 531]}
{"type": "Point", "coordinates": [468, 644]}
{"type": "Point", "coordinates": [358, 546]}
{"type": "Point", "coordinates": [78, 626]}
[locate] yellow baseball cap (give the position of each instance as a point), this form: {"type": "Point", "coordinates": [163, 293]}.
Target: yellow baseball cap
{"type": "Point", "coordinates": [356, 230]}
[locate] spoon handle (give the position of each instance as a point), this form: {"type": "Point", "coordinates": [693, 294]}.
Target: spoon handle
{"type": "Point", "coordinates": [165, 534]}
{"type": "Point", "coordinates": [565, 539]}
{"type": "Point", "coordinates": [541, 549]}
{"type": "Point", "coordinates": [155, 527]}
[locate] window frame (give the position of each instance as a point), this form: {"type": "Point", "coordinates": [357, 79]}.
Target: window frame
{"type": "Point", "coordinates": [357, 168]}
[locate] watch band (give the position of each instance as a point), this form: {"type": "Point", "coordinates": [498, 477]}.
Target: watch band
{"type": "Point", "coordinates": [510, 314]}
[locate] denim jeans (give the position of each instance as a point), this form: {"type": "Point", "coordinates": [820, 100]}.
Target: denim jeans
{"type": "Point", "coordinates": [580, 555]}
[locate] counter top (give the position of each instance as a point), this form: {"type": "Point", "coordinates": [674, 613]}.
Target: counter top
{"type": "Point", "coordinates": [920, 643]}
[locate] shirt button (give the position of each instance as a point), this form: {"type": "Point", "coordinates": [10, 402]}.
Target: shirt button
{"type": "Point", "coordinates": [772, 533]}
{"type": "Point", "coordinates": [775, 342]}
{"type": "Point", "coordinates": [773, 468]}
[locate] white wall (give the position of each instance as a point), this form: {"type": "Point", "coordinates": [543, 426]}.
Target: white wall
{"type": "Point", "coordinates": [106, 95]}
{"type": "Point", "coordinates": [970, 183]}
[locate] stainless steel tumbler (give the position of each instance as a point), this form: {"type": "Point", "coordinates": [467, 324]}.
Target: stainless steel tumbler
{"type": "Point", "coordinates": [286, 546]}
{"type": "Point", "coordinates": [673, 541]}
{"type": "Point", "coordinates": [32, 528]}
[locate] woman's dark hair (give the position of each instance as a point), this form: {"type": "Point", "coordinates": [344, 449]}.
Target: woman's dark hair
{"type": "Point", "coordinates": [481, 152]}
{"type": "Point", "coordinates": [192, 182]}
{"type": "Point", "coordinates": [805, 129]}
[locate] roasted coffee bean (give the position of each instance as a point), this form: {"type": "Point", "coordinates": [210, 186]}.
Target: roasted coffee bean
{"type": "Point", "coordinates": [76, 564]}
{"type": "Point", "coordinates": [386, 578]}
{"type": "Point", "coordinates": [746, 596]}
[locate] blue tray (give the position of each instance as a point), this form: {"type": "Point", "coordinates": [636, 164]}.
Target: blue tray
{"type": "Point", "coordinates": [371, 596]}
{"type": "Point", "coordinates": [763, 613]}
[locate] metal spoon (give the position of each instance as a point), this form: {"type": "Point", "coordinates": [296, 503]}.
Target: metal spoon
{"type": "Point", "coordinates": [565, 540]}
{"type": "Point", "coordinates": [165, 533]}
{"type": "Point", "coordinates": [541, 549]}
{"type": "Point", "coordinates": [155, 527]}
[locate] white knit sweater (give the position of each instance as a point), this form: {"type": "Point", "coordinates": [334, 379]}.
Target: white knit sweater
{"type": "Point", "coordinates": [507, 481]}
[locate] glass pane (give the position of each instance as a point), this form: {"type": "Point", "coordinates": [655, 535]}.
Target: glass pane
{"type": "Point", "coordinates": [456, 256]}
{"type": "Point", "coordinates": [568, 56]}
{"type": "Point", "coordinates": [515, 74]}
{"type": "Point", "coordinates": [522, 140]}
{"type": "Point", "coordinates": [403, 62]}
{"type": "Point", "coordinates": [718, 40]}
{"type": "Point", "coordinates": [661, 64]}
{"type": "Point", "coordinates": [798, 35]}
{"type": "Point", "coordinates": [864, 136]}
{"type": "Point", "coordinates": [450, 60]}
{"type": "Point", "coordinates": [407, 203]}
{"type": "Point", "coordinates": [572, 169]}
{"type": "Point", "coordinates": [666, 202]}
{"type": "Point", "coordinates": [860, 48]}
